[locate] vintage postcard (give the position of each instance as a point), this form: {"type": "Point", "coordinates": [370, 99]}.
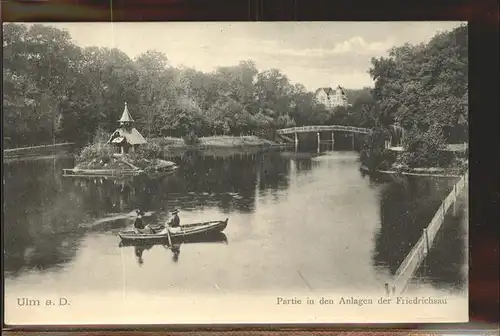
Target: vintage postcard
{"type": "Point", "coordinates": [235, 172]}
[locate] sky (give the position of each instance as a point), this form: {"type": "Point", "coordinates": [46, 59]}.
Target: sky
{"type": "Point", "coordinates": [315, 54]}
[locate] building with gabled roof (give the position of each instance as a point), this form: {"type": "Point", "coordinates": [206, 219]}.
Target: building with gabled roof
{"type": "Point", "coordinates": [126, 137]}
{"type": "Point", "coordinates": [331, 98]}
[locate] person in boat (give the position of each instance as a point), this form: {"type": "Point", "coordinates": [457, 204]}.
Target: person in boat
{"type": "Point", "coordinates": [175, 222]}
{"type": "Point", "coordinates": [139, 223]}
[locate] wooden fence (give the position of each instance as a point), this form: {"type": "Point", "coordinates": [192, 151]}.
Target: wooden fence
{"type": "Point", "coordinates": [418, 253]}
{"type": "Point", "coordinates": [37, 150]}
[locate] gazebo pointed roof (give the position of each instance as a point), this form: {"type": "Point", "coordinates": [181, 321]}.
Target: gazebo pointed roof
{"type": "Point", "coordinates": [126, 117]}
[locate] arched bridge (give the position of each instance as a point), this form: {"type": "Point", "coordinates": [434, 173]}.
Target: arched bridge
{"type": "Point", "coordinates": [398, 136]}
{"type": "Point", "coordinates": [322, 128]}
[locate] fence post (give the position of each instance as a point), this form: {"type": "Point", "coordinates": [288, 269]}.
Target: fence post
{"type": "Point", "coordinates": [319, 141]}
{"type": "Point", "coordinates": [455, 200]}
{"type": "Point", "coordinates": [427, 247]}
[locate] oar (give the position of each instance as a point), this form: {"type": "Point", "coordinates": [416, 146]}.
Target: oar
{"type": "Point", "coordinates": [168, 236]}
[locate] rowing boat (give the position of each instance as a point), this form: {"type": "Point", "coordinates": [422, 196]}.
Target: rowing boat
{"type": "Point", "coordinates": [179, 233]}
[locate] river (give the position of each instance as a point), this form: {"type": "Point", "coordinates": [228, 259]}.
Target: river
{"type": "Point", "coordinates": [296, 221]}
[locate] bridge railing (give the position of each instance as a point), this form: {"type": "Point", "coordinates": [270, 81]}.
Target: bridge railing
{"type": "Point", "coordinates": [319, 128]}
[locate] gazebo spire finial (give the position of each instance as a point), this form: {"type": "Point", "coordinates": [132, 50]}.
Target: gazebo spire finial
{"type": "Point", "coordinates": [126, 117]}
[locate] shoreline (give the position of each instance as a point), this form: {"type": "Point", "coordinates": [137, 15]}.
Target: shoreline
{"type": "Point", "coordinates": [219, 141]}
{"type": "Point", "coordinates": [164, 149]}
{"type": "Point", "coordinates": [222, 146]}
{"type": "Point", "coordinates": [37, 151]}
{"type": "Point", "coordinates": [424, 172]}
{"type": "Point", "coordinates": [216, 145]}
{"type": "Point", "coordinates": [170, 146]}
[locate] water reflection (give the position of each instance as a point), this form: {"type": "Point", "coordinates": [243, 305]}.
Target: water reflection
{"type": "Point", "coordinates": [175, 247]}
{"type": "Point", "coordinates": [446, 265]}
{"type": "Point", "coordinates": [42, 207]}
{"type": "Point", "coordinates": [176, 250]}
{"type": "Point", "coordinates": [407, 206]}
{"type": "Point", "coordinates": [139, 250]}
{"type": "Point", "coordinates": [37, 210]}
{"type": "Point", "coordinates": [288, 210]}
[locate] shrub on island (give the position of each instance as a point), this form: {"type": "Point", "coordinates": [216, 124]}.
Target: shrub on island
{"type": "Point", "coordinates": [103, 156]}
{"type": "Point", "coordinates": [97, 152]}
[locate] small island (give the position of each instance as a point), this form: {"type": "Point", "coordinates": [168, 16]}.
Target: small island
{"type": "Point", "coordinates": [126, 152]}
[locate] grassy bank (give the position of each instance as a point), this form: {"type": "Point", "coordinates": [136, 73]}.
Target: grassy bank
{"type": "Point", "coordinates": [213, 142]}
{"type": "Point", "coordinates": [215, 145]}
{"type": "Point", "coordinates": [455, 169]}
{"type": "Point", "coordinates": [429, 172]}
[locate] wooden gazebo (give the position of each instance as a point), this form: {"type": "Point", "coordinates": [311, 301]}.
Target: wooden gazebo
{"type": "Point", "coordinates": [126, 137]}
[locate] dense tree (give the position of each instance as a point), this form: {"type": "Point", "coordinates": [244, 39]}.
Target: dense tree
{"type": "Point", "coordinates": [423, 148]}
{"type": "Point", "coordinates": [423, 88]}
{"type": "Point", "coordinates": [55, 90]}
{"type": "Point", "coordinates": [426, 84]}
{"type": "Point", "coordinates": [40, 69]}
{"type": "Point", "coordinates": [156, 89]}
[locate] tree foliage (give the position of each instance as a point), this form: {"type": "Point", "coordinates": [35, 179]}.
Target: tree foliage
{"type": "Point", "coordinates": [57, 91]}
{"type": "Point", "coordinates": [423, 88]}
{"type": "Point", "coordinates": [423, 149]}
{"type": "Point", "coordinates": [426, 84]}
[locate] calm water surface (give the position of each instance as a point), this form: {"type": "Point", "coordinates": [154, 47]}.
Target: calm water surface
{"type": "Point", "coordinates": [296, 221]}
